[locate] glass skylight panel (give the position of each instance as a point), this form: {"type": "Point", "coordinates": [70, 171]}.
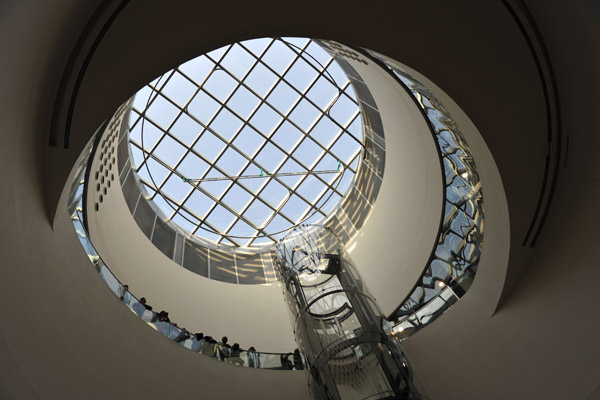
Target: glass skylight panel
{"type": "Point", "coordinates": [197, 69]}
{"type": "Point", "coordinates": [237, 198]}
{"type": "Point", "coordinates": [261, 80]}
{"type": "Point", "coordinates": [220, 216]}
{"type": "Point", "coordinates": [258, 213]}
{"type": "Point", "coordinates": [256, 46]}
{"type": "Point", "coordinates": [317, 66]}
{"type": "Point", "coordinates": [295, 208]}
{"type": "Point", "coordinates": [243, 102]}
{"type": "Point", "coordinates": [249, 123]}
{"type": "Point", "coordinates": [339, 77]}
{"type": "Point", "coordinates": [226, 124]}
{"type": "Point", "coordinates": [265, 119]}
{"type": "Point", "coordinates": [254, 185]}
{"type": "Point", "coordinates": [291, 166]}
{"type": "Point", "coordinates": [312, 189]}
{"type": "Point", "coordinates": [207, 233]}
{"type": "Point", "coordinates": [209, 146]}
{"type": "Point", "coordinates": [278, 223]}
{"type": "Point", "coordinates": [193, 166]}
{"type": "Point", "coordinates": [176, 188]}
{"type": "Point", "coordinates": [164, 206]}
{"type": "Point", "coordinates": [279, 57]}
{"type": "Point", "coordinates": [284, 96]}
{"type": "Point", "coordinates": [305, 115]}
{"type": "Point", "coordinates": [203, 107]}
{"type": "Point", "coordinates": [188, 215]}
{"type": "Point", "coordinates": [325, 132]}
{"type": "Point", "coordinates": [162, 111]}
{"type": "Point", "coordinates": [319, 54]}
{"type": "Point", "coordinates": [147, 190]}
{"type": "Point", "coordinates": [308, 153]}
{"type": "Point", "coordinates": [137, 155]}
{"type": "Point", "coordinates": [275, 193]}
{"type": "Point", "coordinates": [238, 61]}
{"type": "Point", "coordinates": [158, 171]}
{"type": "Point", "coordinates": [249, 140]}
{"type": "Point", "coordinates": [345, 180]}
{"type": "Point", "coordinates": [185, 129]}
{"type": "Point", "coordinates": [287, 137]}
{"type": "Point", "coordinates": [135, 116]}
{"type": "Point", "coordinates": [301, 75]}
{"type": "Point", "coordinates": [152, 134]}
{"type": "Point", "coordinates": [240, 228]}
{"type": "Point", "coordinates": [220, 85]}
{"type": "Point", "coordinates": [322, 93]}
{"type": "Point", "coordinates": [355, 128]}
{"type": "Point", "coordinates": [216, 188]}
{"type": "Point", "coordinates": [179, 89]}
{"type": "Point", "coordinates": [199, 204]}
{"type": "Point", "coordinates": [232, 162]}
{"type": "Point", "coordinates": [348, 92]}
{"type": "Point", "coordinates": [345, 147]}
{"type": "Point", "coordinates": [326, 164]}
{"type": "Point", "coordinates": [300, 42]}
{"type": "Point", "coordinates": [343, 110]}
{"type": "Point", "coordinates": [169, 150]}
{"type": "Point", "coordinates": [218, 54]}
{"type": "Point", "coordinates": [321, 200]}
{"type": "Point", "coordinates": [159, 82]}
{"type": "Point", "coordinates": [330, 203]}
{"type": "Point", "coordinates": [270, 158]}
{"type": "Point", "coordinates": [183, 222]}
{"type": "Point", "coordinates": [141, 98]}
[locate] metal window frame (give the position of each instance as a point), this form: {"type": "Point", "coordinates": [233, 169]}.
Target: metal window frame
{"type": "Point", "coordinates": [275, 209]}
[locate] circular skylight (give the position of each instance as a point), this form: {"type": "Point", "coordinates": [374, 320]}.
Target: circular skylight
{"type": "Point", "coordinates": [241, 144]}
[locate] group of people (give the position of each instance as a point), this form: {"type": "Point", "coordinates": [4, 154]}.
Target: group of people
{"type": "Point", "coordinates": [205, 345]}
{"type": "Point", "coordinates": [222, 350]}
{"type": "Point", "coordinates": [297, 363]}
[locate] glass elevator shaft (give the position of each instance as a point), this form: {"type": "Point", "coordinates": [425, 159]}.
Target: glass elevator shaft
{"type": "Point", "coordinates": [337, 323]}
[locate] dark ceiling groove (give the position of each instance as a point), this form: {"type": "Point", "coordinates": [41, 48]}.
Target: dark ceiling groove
{"type": "Point", "coordinates": [77, 50]}
{"type": "Point", "coordinates": [553, 144]}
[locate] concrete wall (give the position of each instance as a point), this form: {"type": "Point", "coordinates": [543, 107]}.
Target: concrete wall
{"type": "Point", "coordinates": [542, 343]}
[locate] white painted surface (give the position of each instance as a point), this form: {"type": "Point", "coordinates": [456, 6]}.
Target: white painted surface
{"type": "Point", "coordinates": [394, 245]}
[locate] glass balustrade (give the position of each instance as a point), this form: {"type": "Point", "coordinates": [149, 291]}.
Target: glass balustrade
{"type": "Point", "coordinates": [452, 267]}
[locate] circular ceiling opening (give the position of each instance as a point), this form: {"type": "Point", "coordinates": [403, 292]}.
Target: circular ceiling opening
{"type": "Point", "coordinates": [241, 144]}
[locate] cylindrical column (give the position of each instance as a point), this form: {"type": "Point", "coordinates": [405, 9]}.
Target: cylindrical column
{"type": "Point", "coordinates": [337, 323]}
